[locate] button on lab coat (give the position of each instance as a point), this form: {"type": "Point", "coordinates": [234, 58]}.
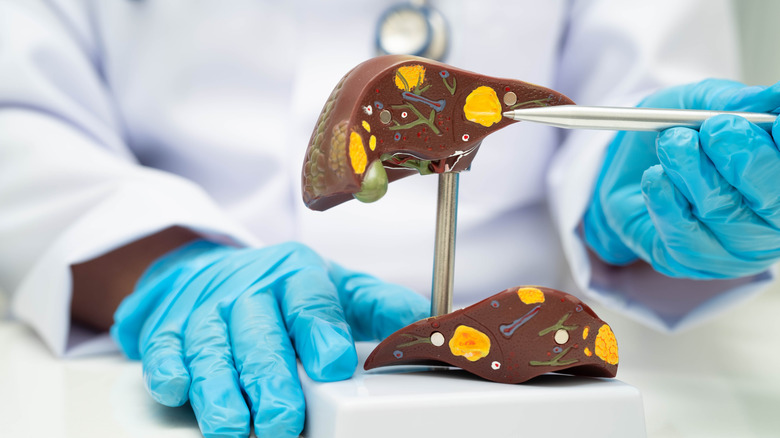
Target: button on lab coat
{"type": "Point", "coordinates": [121, 118]}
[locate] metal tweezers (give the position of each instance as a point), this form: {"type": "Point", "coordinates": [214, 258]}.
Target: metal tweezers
{"type": "Point", "coordinates": [627, 119]}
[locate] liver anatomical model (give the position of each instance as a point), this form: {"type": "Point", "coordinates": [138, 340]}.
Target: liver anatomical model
{"type": "Point", "coordinates": [394, 116]}
{"type": "Point", "coordinates": [510, 337]}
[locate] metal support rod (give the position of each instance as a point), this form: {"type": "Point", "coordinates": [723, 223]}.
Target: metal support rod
{"type": "Point", "coordinates": [444, 246]}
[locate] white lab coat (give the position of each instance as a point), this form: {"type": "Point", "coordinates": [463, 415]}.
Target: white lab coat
{"type": "Point", "coordinates": [120, 118]}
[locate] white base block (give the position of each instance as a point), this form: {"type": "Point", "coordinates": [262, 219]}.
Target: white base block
{"type": "Point", "coordinates": [403, 401]}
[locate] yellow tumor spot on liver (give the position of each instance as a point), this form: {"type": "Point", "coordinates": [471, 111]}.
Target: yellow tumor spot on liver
{"type": "Point", "coordinates": [357, 153]}
{"type": "Point", "coordinates": [588, 352]}
{"type": "Point", "coordinates": [372, 142]}
{"type": "Point", "coordinates": [530, 295]}
{"type": "Point", "coordinates": [585, 332]}
{"type": "Point", "coordinates": [366, 126]}
{"type": "Point", "coordinates": [409, 77]}
{"type": "Point", "coordinates": [482, 106]}
{"type": "Point", "coordinates": [606, 345]}
{"type": "Point", "coordinates": [469, 343]}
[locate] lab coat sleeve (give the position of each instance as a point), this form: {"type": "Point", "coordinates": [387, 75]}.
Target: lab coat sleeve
{"type": "Point", "coordinates": [69, 188]}
{"type": "Point", "coordinates": [614, 55]}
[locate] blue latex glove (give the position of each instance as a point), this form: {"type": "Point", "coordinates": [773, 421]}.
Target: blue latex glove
{"type": "Point", "coordinates": [213, 324]}
{"type": "Point", "coordinates": [698, 204]}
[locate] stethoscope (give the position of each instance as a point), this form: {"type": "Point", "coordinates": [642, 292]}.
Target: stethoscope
{"type": "Point", "coordinates": [414, 28]}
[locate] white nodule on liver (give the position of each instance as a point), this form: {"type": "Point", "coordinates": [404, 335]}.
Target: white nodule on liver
{"type": "Point", "coordinates": [561, 336]}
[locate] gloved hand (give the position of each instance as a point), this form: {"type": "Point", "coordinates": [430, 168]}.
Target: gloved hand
{"type": "Point", "coordinates": [213, 323]}
{"type": "Point", "coordinates": [698, 204]}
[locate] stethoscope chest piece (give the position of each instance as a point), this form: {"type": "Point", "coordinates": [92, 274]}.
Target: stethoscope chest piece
{"type": "Point", "coordinates": [408, 29]}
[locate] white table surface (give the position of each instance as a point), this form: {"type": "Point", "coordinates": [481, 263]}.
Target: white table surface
{"type": "Point", "coordinates": [721, 379]}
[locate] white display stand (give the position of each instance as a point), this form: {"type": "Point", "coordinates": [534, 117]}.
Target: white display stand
{"type": "Point", "coordinates": [403, 401]}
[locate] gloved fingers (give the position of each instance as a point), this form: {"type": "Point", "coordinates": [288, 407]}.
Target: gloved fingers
{"type": "Point", "coordinates": [681, 246]}
{"type": "Point", "coordinates": [713, 200]}
{"type": "Point", "coordinates": [165, 374]}
{"type": "Point", "coordinates": [317, 326]}
{"type": "Point", "coordinates": [266, 365]}
{"type": "Point", "coordinates": [314, 317]}
{"type": "Point", "coordinates": [376, 309]}
{"type": "Point", "coordinates": [747, 157]}
{"type": "Point", "coordinates": [215, 394]}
